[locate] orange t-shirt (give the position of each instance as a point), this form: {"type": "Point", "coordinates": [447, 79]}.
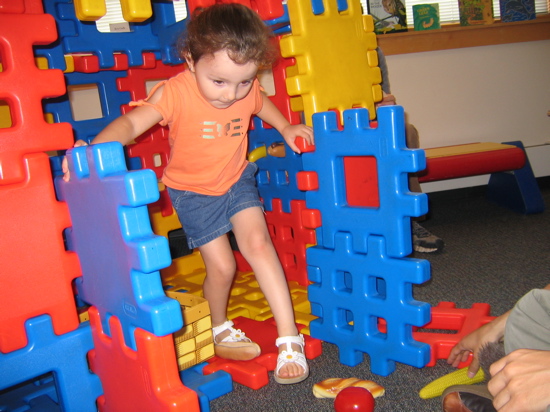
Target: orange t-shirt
{"type": "Point", "coordinates": [208, 145]}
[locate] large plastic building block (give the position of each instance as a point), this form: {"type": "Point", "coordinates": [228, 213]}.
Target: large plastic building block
{"type": "Point", "coordinates": [112, 236]}
{"type": "Point", "coordinates": [110, 99]}
{"type": "Point", "coordinates": [281, 99]}
{"type": "Point", "coordinates": [267, 9]}
{"type": "Point", "coordinates": [277, 177]}
{"type": "Point", "coordinates": [83, 37]}
{"type": "Point", "coordinates": [386, 143]}
{"type": "Point", "coordinates": [207, 387]}
{"type": "Point", "coordinates": [518, 190]}
{"type": "Point", "coordinates": [144, 379]}
{"type": "Point", "coordinates": [336, 46]}
{"type": "Point", "coordinates": [64, 355]}
{"type": "Point", "coordinates": [21, 6]}
{"type": "Point", "coordinates": [20, 397]}
{"type": "Point", "coordinates": [459, 323]}
{"type": "Point", "coordinates": [168, 31]}
{"type": "Point", "coordinates": [291, 239]}
{"type": "Point", "coordinates": [253, 373]}
{"type": "Point", "coordinates": [29, 132]}
{"type": "Point", "coordinates": [37, 271]}
{"type": "Point", "coordinates": [352, 292]}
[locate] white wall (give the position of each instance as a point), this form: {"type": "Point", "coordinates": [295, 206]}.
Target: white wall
{"type": "Point", "coordinates": [489, 93]}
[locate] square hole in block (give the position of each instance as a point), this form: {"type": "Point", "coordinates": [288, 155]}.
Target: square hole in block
{"type": "Point", "coordinates": [85, 102]}
{"type": "Point", "coordinates": [343, 282]}
{"type": "Point", "coordinates": [376, 287]}
{"type": "Point", "coordinates": [344, 319]}
{"type": "Point", "coordinates": [361, 177]}
{"type": "Point", "coordinates": [39, 392]}
{"type": "Point", "coordinates": [5, 115]}
{"type": "Point", "coordinates": [377, 327]}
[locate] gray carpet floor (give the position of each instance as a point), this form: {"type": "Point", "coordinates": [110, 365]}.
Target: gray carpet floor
{"type": "Point", "coordinates": [492, 255]}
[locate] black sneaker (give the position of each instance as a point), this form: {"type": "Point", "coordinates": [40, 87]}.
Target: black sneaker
{"type": "Point", "coordinates": [424, 241]}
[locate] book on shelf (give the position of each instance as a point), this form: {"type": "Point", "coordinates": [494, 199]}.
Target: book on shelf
{"type": "Point", "coordinates": [517, 10]}
{"type": "Point", "coordinates": [426, 16]}
{"type": "Point", "coordinates": [475, 12]}
{"type": "Point", "coordinates": [389, 15]}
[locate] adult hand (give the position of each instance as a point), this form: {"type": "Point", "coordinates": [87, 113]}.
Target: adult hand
{"type": "Point", "coordinates": [521, 381]}
{"type": "Point", "coordinates": [65, 163]}
{"type": "Point", "coordinates": [387, 100]}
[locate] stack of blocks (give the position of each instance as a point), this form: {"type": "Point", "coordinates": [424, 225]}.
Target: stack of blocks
{"type": "Point", "coordinates": [339, 215]}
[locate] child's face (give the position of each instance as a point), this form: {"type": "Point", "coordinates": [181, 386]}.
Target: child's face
{"type": "Point", "coordinates": [221, 81]}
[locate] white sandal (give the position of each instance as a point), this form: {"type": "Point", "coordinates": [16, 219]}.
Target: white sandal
{"type": "Point", "coordinates": [291, 356]}
{"type": "Point", "coordinates": [235, 346]}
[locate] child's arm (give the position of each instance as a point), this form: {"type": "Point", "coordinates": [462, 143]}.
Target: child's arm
{"type": "Point", "coordinates": [270, 114]}
{"type": "Point", "coordinates": [125, 128]}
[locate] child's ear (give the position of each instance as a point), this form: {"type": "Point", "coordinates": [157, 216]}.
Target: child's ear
{"type": "Point", "coordinates": [190, 62]}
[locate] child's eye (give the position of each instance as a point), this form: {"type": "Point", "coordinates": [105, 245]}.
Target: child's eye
{"type": "Point", "coordinates": [218, 82]}
{"type": "Point", "coordinates": [246, 82]}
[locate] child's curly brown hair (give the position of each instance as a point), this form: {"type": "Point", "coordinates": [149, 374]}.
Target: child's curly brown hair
{"type": "Point", "coordinates": [232, 27]}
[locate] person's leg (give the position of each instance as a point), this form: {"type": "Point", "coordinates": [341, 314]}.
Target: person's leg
{"type": "Point", "coordinates": [220, 268]}
{"type": "Point", "coordinates": [255, 244]}
{"type": "Point", "coordinates": [423, 240]}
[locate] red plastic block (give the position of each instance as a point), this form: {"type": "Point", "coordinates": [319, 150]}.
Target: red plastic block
{"type": "Point", "coordinates": [21, 6]}
{"type": "Point", "coordinates": [253, 373]}
{"type": "Point", "coordinates": [290, 238]}
{"type": "Point", "coordinates": [361, 176]}
{"type": "Point", "coordinates": [446, 316]}
{"type": "Point", "coordinates": [23, 87]}
{"type": "Point", "coordinates": [267, 9]}
{"type": "Point", "coordinates": [36, 271]}
{"type": "Point", "coordinates": [142, 380]}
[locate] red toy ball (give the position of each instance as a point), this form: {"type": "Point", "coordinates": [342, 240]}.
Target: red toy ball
{"type": "Point", "coordinates": [354, 399]}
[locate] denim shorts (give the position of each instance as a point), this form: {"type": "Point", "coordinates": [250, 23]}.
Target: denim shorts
{"type": "Point", "coordinates": [205, 218]}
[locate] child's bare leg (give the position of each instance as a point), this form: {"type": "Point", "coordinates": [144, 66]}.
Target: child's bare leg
{"type": "Point", "coordinates": [220, 270]}
{"type": "Point", "coordinates": [252, 236]}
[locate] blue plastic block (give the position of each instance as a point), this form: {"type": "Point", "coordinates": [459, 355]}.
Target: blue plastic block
{"type": "Point", "coordinates": [207, 387]}
{"type": "Point", "coordinates": [353, 292]}
{"type": "Point", "coordinates": [276, 177]}
{"type": "Point", "coordinates": [111, 232]}
{"type": "Point", "coordinates": [64, 355]}
{"type": "Point", "coordinates": [517, 190]}
{"type": "Point", "coordinates": [165, 27]}
{"type": "Point", "coordinates": [19, 397]}
{"type": "Point", "coordinates": [110, 98]}
{"type": "Point", "coordinates": [394, 162]}
{"type": "Point", "coordinates": [280, 25]}
{"type": "Point", "coordinates": [83, 37]}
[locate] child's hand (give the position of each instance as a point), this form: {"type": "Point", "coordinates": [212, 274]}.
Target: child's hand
{"type": "Point", "coordinates": [292, 131]}
{"type": "Point", "coordinates": [65, 163]}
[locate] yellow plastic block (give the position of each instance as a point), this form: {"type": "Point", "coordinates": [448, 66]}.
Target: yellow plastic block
{"type": "Point", "coordinates": [89, 10]}
{"type": "Point", "coordinates": [194, 342]}
{"type": "Point", "coordinates": [459, 377]}
{"type": "Point", "coordinates": [336, 62]}
{"type": "Point", "coordinates": [136, 11]}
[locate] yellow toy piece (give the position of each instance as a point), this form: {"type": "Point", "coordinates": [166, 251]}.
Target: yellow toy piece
{"type": "Point", "coordinates": [459, 377]}
{"type": "Point", "coordinates": [336, 59]}
{"type": "Point", "coordinates": [89, 10]}
{"type": "Point", "coordinates": [136, 11]}
{"type": "Point", "coordinates": [257, 153]}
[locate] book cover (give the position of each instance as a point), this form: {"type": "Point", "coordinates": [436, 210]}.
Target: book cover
{"type": "Point", "coordinates": [426, 16]}
{"type": "Point", "coordinates": [474, 12]}
{"type": "Point", "coordinates": [517, 10]}
{"type": "Point", "coordinates": [389, 15]}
